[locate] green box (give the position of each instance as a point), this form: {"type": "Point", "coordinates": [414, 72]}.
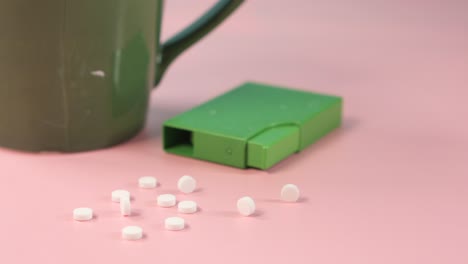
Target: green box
{"type": "Point", "coordinates": [254, 125]}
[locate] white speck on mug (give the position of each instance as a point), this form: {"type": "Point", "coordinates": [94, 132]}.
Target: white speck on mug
{"type": "Point", "coordinates": [98, 73]}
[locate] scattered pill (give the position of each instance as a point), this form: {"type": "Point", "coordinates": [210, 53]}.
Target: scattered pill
{"type": "Point", "coordinates": [187, 207]}
{"type": "Point", "coordinates": [166, 200]}
{"type": "Point", "coordinates": [132, 233]}
{"type": "Point", "coordinates": [246, 206]}
{"type": "Point", "coordinates": [174, 223]}
{"type": "Point", "coordinates": [290, 193]}
{"type": "Point", "coordinates": [147, 182]}
{"type": "Point", "coordinates": [83, 214]}
{"type": "Point", "coordinates": [187, 184]}
{"type": "Point", "coordinates": [117, 194]}
{"type": "Point", "coordinates": [125, 206]}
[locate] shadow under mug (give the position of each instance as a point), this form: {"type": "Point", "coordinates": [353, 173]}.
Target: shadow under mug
{"type": "Point", "coordinates": [76, 75]}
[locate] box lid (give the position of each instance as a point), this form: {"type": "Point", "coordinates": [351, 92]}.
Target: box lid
{"type": "Point", "coordinates": [254, 125]}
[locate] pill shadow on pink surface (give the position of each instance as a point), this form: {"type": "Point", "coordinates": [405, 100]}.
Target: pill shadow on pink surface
{"type": "Point", "coordinates": [187, 228]}
{"type": "Point", "coordinates": [136, 213]}
{"type": "Point", "coordinates": [70, 219]}
{"type": "Point", "coordinates": [106, 214]}
{"type": "Point", "coordinates": [151, 203]}
{"type": "Point", "coordinates": [117, 236]}
{"type": "Point", "coordinates": [169, 191]}
{"type": "Point", "coordinates": [301, 200]}
{"type": "Point", "coordinates": [198, 190]}
{"type": "Point", "coordinates": [227, 214]}
{"type": "Point", "coordinates": [259, 214]}
{"type": "Point", "coordinates": [131, 185]}
{"type": "Point", "coordinates": [177, 192]}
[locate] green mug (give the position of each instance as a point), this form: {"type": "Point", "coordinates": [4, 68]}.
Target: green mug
{"type": "Point", "coordinates": [76, 75]}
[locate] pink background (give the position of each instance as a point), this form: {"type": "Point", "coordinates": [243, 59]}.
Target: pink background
{"type": "Point", "coordinates": [389, 187]}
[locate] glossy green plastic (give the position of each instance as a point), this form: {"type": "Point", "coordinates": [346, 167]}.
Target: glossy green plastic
{"type": "Point", "coordinates": [76, 75]}
{"type": "Point", "coordinates": [254, 125]}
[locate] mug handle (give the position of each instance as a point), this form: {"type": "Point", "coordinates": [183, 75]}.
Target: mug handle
{"type": "Point", "coordinates": [189, 36]}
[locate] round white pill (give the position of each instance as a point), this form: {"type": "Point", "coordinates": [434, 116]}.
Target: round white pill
{"type": "Point", "coordinates": [166, 200]}
{"type": "Point", "coordinates": [125, 206]}
{"type": "Point", "coordinates": [246, 206]}
{"type": "Point", "coordinates": [187, 207]}
{"type": "Point", "coordinates": [132, 233]}
{"type": "Point", "coordinates": [187, 184]}
{"type": "Point", "coordinates": [174, 223]}
{"type": "Point", "coordinates": [83, 214]}
{"type": "Point", "coordinates": [147, 182]}
{"type": "Point", "coordinates": [290, 193]}
{"type": "Point", "coordinates": [117, 194]}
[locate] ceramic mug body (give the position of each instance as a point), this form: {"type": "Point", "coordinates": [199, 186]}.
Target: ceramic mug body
{"type": "Point", "coordinates": [76, 75]}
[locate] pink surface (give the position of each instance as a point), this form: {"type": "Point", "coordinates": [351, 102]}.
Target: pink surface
{"type": "Point", "coordinates": [389, 187]}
